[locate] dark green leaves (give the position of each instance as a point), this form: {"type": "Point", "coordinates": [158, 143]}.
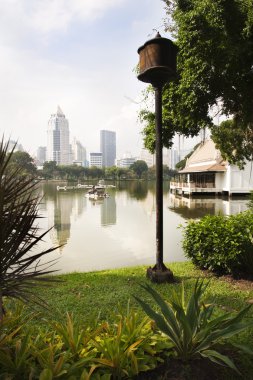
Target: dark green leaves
{"type": "Point", "coordinates": [222, 244]}
{"type": "Point", "coordinates": [20, 270]}
{"type": "Point", "coordinates": [191, 327]}
{"type": "Point", "coordinates": [214, 66]}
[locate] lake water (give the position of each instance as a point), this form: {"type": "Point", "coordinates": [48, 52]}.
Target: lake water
{"type": "Point", "coordinates": [119, 231]}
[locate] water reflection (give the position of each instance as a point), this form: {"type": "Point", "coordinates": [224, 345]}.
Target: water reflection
{"type": "Point", "coordinates": [108, 211]}
{"type": "Point", "coordinates": [192, 208]}
{"type": "Point", "coordinates": [120, 230]}
{"type": "Point", "coordinates": [138, 190]}
{"type": "Point", "coordinates": [62, 207]}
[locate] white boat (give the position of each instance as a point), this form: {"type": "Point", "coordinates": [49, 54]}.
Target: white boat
{"type": "Point", "coordinates": [97, 192]}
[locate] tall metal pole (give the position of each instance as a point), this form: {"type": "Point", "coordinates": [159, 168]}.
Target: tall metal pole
{"type": "Point", "coordinates": [158, 66]}
{"type": "Point", "coordinates": [159, 179]}
{"type": "Point", "coordinates": [159, 273]}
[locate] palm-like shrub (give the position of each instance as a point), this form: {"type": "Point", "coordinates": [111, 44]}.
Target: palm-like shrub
{"type": "Point", "coordinates": [191, 329]}
{"type": "Point", "coordinates": [20, 268]}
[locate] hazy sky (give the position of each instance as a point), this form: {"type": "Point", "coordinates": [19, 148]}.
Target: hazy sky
{"type": "Point", "coordinates": [80, 55]}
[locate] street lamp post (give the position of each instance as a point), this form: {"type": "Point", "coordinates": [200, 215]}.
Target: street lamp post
{"type": "Point", "coordinates": [158, 66]}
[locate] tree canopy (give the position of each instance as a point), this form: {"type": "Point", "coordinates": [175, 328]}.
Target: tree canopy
{"type": "Point", "coordinates": [139, 167]}
{"type": "Point", "coordinates": [214, 70]}
{"type": "Point", "coordinates": [24, 162]}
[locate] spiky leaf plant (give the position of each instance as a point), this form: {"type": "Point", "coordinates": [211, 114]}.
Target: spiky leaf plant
{"type": "Point", "coordinates": [190, 326]}
{"type": "Point", "coordinates": [20, 268]}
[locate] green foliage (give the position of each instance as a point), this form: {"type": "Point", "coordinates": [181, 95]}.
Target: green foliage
{"type": "Point", "coordinates": [20, 270]}
{"type": "Point", "coordinates": [23, 162]}
{"type": "Point", "coordinates": [139, 167]}
{"type": "Point", "coordinates": [66, 348]}
{"type": "Point", "coordinates": [234, 140]}
{"type": "Point", "coordinates": [70, 172]}
{"type": "Point", "coordinates": [49, 170]}
{"type": "Point", "coordinates": [69, 351]}
{"type": "Point", "coordinates": [66, 172]}
{"type": "Point", "coordinates": [123, 347]}
{"type": "Point", "coordinates": [181, 164]}
{"type": "Point", "coordinates": [167, 172]}
{"type": "Point", "coordinates": [214, 66]}
{"type": "Point", "coordinates": [14, 346]}
{"type": "Point", "coordinates": [190, 327]}
{"type": "Point", "coordinates": [222, 244]}
{"type": "Point", "coordinates": [111, 173]}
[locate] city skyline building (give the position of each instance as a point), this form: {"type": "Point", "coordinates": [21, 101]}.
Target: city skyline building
{"type": "Point", "coordinates": [78, 152]}
{"type": "Point", "coordinates": [58, 146]}
{"type": "Point", "coordinates": [41, 155]}
{"type": "Point", "coordinates": [108, 147]}
{"type": "Point", "coordinates": [173, 158]}
{"type": "Point", "coordinates": [125, 161]}
{"type": "Point", "coordinates": [96, 159]}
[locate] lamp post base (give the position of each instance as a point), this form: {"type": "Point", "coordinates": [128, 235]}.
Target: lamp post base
{"type": "Point", "coordinates": [160, 275]}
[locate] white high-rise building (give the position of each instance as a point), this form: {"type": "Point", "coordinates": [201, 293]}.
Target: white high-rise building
{"type": "Point", "coordinates": [78, 152]}
{"type": "Point", "coordinates": [96, 159]}
{"type": "Point", "coordinates": [58, 147]}
{"type": "Point", "coordinates": [173, 158]}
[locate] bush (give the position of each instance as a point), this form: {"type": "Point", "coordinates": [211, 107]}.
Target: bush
{"type": "Point", "coordinates": [222, 244]}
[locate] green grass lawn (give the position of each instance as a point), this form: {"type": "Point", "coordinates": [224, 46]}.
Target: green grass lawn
{"type": "Point", "coordinates": [99, 294]}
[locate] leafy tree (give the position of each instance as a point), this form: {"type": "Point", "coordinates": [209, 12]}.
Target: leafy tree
{"type": "Point", "coordinates": [20, 269]}
{"type": "Point", "coordinates": [71, 172]}
{"type": "Point", "coordinates": [24, 162]}
{"type": "Point", "coordinates": [123, 173]}
{"type": "Point", "coordinates": [152, 172]}
{"type": "Point", "coordinates": [111, 172]}
{"type": "Point", "coordinates": [215, 68]}
{"type": "Point", "coordinates": [139, 167]}
{"type": "Point", "coordinates": [181, 164]}
{"type": "Point", "coordinates": [167, 172]}
{"type": "Point", "coordinates": [234, 140]}
{"type": "Point", "coordinates": [49, 169]}
{"type": "Point", "coordinates": [95, 172]}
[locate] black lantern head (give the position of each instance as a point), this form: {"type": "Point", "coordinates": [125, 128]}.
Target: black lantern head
{"type": "Point", "coordinates": [157, 61]}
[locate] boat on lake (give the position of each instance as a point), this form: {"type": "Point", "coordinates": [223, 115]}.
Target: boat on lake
{"type": "Point", "coordinates": [97, 193]}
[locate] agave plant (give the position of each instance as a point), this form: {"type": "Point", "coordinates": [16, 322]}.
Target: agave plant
{"type": "Point", "coordinates": [192, 330]}
{"type": "Point", "coordinates": [20, 268]}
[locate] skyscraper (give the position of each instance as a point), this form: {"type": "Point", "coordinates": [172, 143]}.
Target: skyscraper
{"type": "Point", "coordinates": [78, 152]}
{"type": "Point", "coordinates": [108, 147]}
{"type": "Point", "coordinates": [58, 147]}
{"type": "Point", "coordinates": [41, 155]}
